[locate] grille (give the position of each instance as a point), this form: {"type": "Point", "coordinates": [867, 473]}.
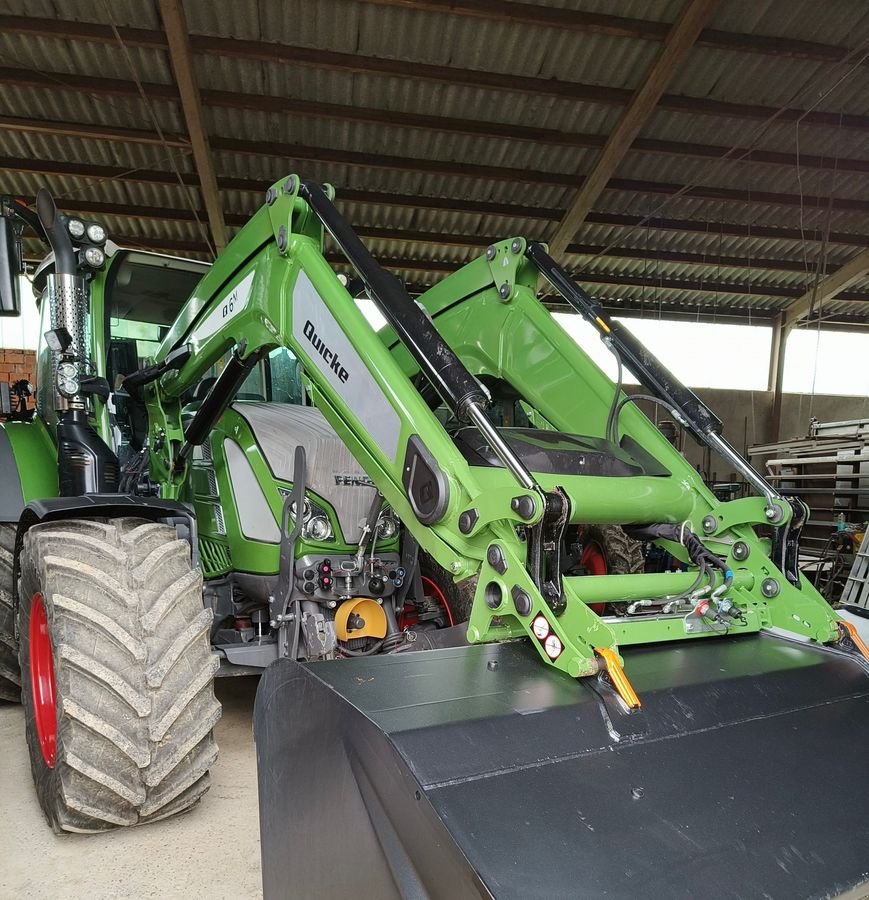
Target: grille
{"type": "Point", "coordinates": [214, 557]}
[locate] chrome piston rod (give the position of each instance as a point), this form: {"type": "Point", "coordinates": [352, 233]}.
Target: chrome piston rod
{"type": "Point", "coordinates": [502, 449]}
{"type": "Point", "coordinates": [748, 472]}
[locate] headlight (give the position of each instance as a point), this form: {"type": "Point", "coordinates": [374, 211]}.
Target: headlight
{"type": "Point", "coordinates": [96, 233]}
{"type": "Point", "coordinates": [387, 527]}
{"type": "Point", "coordinates": [317, 528]}
{"type": "Point", "coordinates": [306, 511]}
{"type": "Point", "coordinates": [94, 257]}
{"type": "Point", "coordinates": [67, 380]}
{"type": "Point", "coordinates": [76, 228]}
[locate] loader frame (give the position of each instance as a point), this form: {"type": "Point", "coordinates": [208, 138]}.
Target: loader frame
{"type": "Point", "coordinates": [503, 524]}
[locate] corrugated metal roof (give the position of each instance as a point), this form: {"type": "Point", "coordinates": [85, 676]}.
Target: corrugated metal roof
{"type": "Point", "coordinates": [471, 187]}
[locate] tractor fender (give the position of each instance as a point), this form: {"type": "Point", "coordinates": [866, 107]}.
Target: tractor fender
{"type": "Point", "coordinates": [90, 506]}
{"type": "Point", "coordinates": [28, 463]}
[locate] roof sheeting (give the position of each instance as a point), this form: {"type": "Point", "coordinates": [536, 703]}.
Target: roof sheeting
{"type": "Point", "coordinates": [380, 121]}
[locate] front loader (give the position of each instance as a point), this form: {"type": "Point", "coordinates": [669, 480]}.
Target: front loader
{"type": "Point", "coordinates": [121, 598]}
{"type": "Point", "coordinates": [662, 734]}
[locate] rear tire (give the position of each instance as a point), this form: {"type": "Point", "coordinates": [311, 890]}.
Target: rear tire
{"type": "Point", "coordinates": [458, 596]}
{"type": "Point", "coordinates": [622, 555]}
{"type": "Point", "coordinates": [133, 704]}
{"type": "Point", "coordinates": [10, 674]}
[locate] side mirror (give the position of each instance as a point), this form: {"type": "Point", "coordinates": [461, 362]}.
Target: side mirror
{"type": "Point", "coordinates": [10, 269]}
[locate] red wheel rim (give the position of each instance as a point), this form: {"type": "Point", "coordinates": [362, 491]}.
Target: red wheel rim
{"type": "Point", "coordinates": [407, 618]}
{"type": "Point", "coordinates": [42, 681]}
{"type": "Point", "coordinates": [593, 561]}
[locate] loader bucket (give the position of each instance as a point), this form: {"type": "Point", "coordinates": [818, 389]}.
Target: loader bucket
{"type": "Point", "coordinates": [475, 771]}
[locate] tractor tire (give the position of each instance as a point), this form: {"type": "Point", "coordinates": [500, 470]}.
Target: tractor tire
{"type": "Point", "coordinates": [10, 674]}
{"type": "Point", "coordinates": [457, 597]}
{"type": "Point", "coordinates": [117, 672]}
{"type": "Point", "coordinates": [610, 546]}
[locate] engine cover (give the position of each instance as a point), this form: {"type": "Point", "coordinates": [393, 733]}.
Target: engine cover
{"type": "Point", "coordinates": [333, 473]}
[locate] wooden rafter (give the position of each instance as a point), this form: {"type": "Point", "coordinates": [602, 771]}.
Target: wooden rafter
{"type": "Point", "coordinates": [832, 286]}
{"type": "Point", "coordinates": [677, 45]}
{"type": "Point", "coordinates": [307, 57]}
{"type": "Point", "coordinates": [298, 152]}
{"type": "Point", "coordinates": [175, 25]}
{"type": "Point", "coordinates": [345, 113]}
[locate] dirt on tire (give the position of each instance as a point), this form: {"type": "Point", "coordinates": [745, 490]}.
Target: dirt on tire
{"type": "Point", "coordinates": [624, 556]}
{"type": "Point", "coordinates": [458, 595]}
{"type": "Point", "coordinates": [10, 674]}
{"type": "Point", "coordinates": [133, 672]}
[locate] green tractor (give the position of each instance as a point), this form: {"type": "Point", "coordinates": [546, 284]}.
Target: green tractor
{"type": "Point", "coordinates": [176, 592]}
{"type": "Point", "coordinates": [570, 722]}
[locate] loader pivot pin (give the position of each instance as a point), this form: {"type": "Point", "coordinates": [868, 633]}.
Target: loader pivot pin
{"type": "Point", "coordinates": [617, 677]}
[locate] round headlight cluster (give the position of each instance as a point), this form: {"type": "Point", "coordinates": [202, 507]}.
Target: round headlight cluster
{"type": "Point", "coordinates": [94, 257]}
{"type": "Point", "coordinates": [96, 233]}
{"type": "Point", "coordinates": [306, 511]}
{"type": "Point", "coordinates": [67, 379]}
{"type": "Point", "coordinates": [317, 528]}
{"type": "Point", "coordinates": [387, 526]}
{"type": "Point", "coordinates": [315, 521]}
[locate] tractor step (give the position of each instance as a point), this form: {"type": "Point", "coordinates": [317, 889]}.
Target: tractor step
{"type": "Point", "coordinates": [474, 771]}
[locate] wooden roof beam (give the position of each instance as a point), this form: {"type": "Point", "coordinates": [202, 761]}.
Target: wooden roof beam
{"type": "Point", "coordinates": [462, 204]}
{"type": "Point", "coordinates": [678, 44]}
{"type": "Point", "coordinates": [440, 124]}
{"type": "Point", "coordinates": [473, 242]}
{"type": "Point", "coordinates": [532, 14]}
{"type": "Point", "coordinates": [308, 57]}
{"type": "Point", "coordinates": [180, 54]}
{"type": "Point", "coordinates": [832, 286]}
{"type": "Point", "coordinates": [494, 10]}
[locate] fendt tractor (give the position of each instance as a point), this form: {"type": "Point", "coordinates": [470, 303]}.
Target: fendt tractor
{"type": "Point", "coordinates": [513, 726]}
{"type": "Point", "coordinates": [120, 729]}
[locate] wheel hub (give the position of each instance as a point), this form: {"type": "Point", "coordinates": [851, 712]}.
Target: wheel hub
{"type": "Point", "coordinates": [42, 681]}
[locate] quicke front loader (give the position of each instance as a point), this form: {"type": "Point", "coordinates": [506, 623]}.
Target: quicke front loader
{"type": "Point", "coordinates": [655, 734]}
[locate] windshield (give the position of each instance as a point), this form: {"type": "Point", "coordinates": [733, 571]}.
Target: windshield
{"type": "Point", "coordinates": [144, 294]}
{"type": "Point", "coordinates": [277, 379]}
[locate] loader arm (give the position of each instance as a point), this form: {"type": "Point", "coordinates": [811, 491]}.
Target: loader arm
{"type": "Point", "coordinates": [485, 503]}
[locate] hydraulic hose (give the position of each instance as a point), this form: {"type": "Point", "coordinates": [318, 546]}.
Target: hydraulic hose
{"type": "Point", "coordinates": [697, 552]}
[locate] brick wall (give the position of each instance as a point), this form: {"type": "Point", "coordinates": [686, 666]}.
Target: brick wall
{"type": "Point", "coordinates": [16, 364]}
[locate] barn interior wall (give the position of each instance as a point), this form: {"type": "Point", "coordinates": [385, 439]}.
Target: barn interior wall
{"type": "Point", "coordinates": [747, 419]}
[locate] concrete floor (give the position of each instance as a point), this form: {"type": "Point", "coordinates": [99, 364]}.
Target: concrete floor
{"type": "Point", "coordinates": [212, 851]}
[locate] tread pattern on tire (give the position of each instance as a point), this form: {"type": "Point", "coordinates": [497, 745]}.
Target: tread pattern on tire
{"type": "Point", "coordinates": [133, 669]}
{"type": "Point", "coordinates": [459, 594]}
{"type": "Point", "coordinates": [10, 674]}
{"type": "Point", "coordinates": [624, 556]}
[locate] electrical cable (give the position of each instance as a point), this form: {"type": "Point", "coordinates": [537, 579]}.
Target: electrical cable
{"type": "Point", "coordinates": [855, 57]}
{"type": "Point", "coordinates": [370, 651]}
{"type": "Point", "coordinates": [608, 434]}
{"type": "Point", "coordinates": [146, 100]}
{"type": "Point", "coordinates": [631, 398]}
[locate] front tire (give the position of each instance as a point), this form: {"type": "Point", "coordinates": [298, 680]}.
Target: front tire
{"type": "Point", "coordinates": [117, 673]}
{"type": "Point", "coordinates": [10, 674]}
